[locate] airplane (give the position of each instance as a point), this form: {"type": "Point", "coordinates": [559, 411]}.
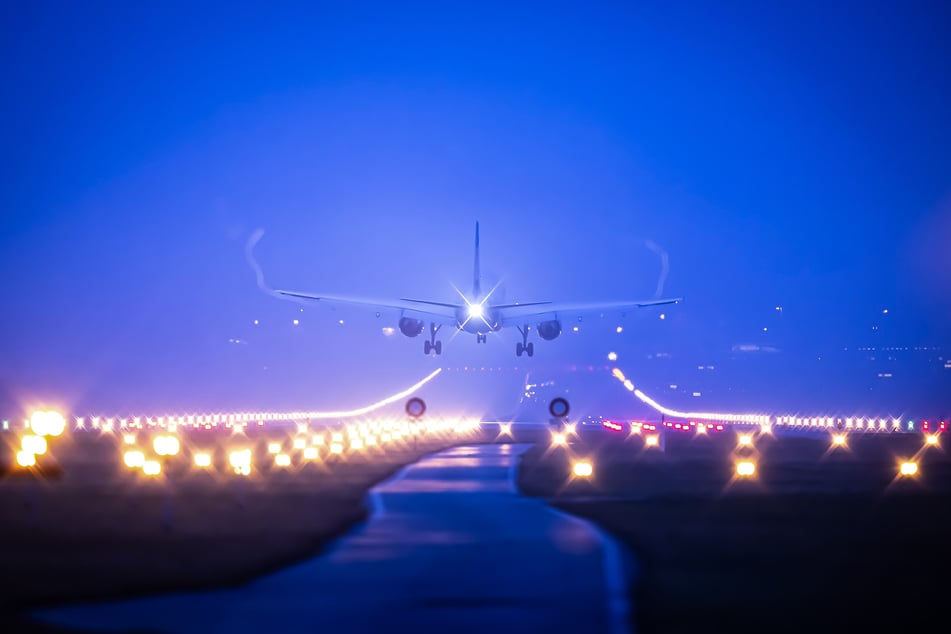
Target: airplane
{"type": "Point", "coordinates": [477, 314]}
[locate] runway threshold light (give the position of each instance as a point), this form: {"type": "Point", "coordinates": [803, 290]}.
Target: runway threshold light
{"type": "Point", "coordinates": [583, 469]}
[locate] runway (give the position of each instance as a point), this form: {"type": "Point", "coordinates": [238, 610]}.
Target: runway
{"type": "Point", "coordinates": [451, 546]}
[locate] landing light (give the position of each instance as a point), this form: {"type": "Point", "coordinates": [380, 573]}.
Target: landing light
{"type": "Point", "coordinates": [475, 311]}
{"type": "Point", "coordinates": [583, 469]}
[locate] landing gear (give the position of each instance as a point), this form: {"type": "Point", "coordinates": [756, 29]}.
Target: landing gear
{"type": "Point", "coordinates": [432, 345]}
{"type": "Point", "coordinates": [524, 346]}
{"type": "Point", "coordinates": [480, 338]}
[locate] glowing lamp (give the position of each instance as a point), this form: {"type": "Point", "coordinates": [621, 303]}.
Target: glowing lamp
{"type": "Point", "coordinates": [129, 439]}
{"type": "Point", "coordinates": [274, 447]}
{"type": "Point", "coordinates": [202, 460]}
{"type": "Point", "coordinates": [318, 439]}
{"type": "Point", "coordinates": [932, 439]}
{"type": "Point", "coordinates": [336, 448]}
{"type": "Point", "coordinates": [300, 443]}
{"type": "Point", "coordinates": [166, 445]}
{"type": "Point", "coordinates": [908, 469]}
{"type": "Point", "coordinates": [310, 453]}
{"type": "Point", "coordinates": [745, 469]}
{"type": "Point", "coordinates": [151, 467]}
{"type": "Point", "coordinates": [35, 445]}
{"type": "Point", "coordinates": [282, 460]}
{"type": "Point", "coordinates": [838, 440]}
{"type": "Point", "coordinates": [558, 439]}
{"type": "Point", "coordinates": [475, 311]}
{"type": "Point", "coordinates": [745, 440]}
{"type": "Point", "coordinates": [583, 469]}
{"type": "Point", "coordinates": [26, 459]}
{"type": "Point", "coordinates": [356, 443]}
{"type": "Point", "coordinates": [652, 440]}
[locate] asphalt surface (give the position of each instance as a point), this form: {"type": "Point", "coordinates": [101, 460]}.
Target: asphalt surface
{"type": "Point", "coordinates": [450, 546]}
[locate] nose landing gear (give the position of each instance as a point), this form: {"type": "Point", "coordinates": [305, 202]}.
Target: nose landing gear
{"type": "Point", "coordinates": [480, 338]}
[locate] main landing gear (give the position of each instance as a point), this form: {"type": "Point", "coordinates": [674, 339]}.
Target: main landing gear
{"type": "Point", "coordinates": [432, 345]}
{"type": "Point", "coordinates": [524, 346]}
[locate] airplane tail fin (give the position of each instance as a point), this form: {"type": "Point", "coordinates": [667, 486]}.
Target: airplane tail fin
{"type": "Point", "coordinates": [476, 276]}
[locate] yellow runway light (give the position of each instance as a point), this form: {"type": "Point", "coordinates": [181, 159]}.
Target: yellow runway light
{"type": "Point", "coordinates": [310, 453]}
{"type": "Point", "coordinates": [908, 469]}
{"type": "Point", "coordinates": [839, 440]}
{"type": "Point", "coordinates": [129, 439]}
{"type": "Point", "coordinates": [47, 423]}
{"type": "Point", "coordinates": [151, 467]}
{"type": "Point", "coordinates": [558, 440]}
{"type": "Point", "coordinates": [202, 460]}
{"type": "Point", "coordinates": [300, 443]}
{"type": "Point", "coordinates": [745, 440]}
{"type": "Point", "coordinates": [583, 469]}
{"type": "Point", "coordinates": [166, 445]}
{"type": "Point", "coordinates": [274, 447]}
{"type": "Point", "coordinates": [932, 439]}
{"type": "Point", "coordinates": [651, 440]}
{"type": "Point", "coordinates": [336, 448]}
{"type": "Point", "coordinates": [282, 460]}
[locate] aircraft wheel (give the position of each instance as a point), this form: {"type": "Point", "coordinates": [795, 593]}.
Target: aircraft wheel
{"type": "Point", "coordinates": [427, 347]}
{"type": "Point", "coordinates": [518, 349]}
{"type": "Point", "coordinates": [438, 347]}
{"type": "Point", "coordinates": [530, 348]}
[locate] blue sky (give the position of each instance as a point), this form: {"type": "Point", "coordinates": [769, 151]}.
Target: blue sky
{"type": "Point", "coordinates": [792, 155]}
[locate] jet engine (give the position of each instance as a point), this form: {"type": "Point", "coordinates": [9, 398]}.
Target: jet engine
{"type": "Point", "coordinates": [548, 330]}
{"type": "Point", "coordinates": [411, 327]}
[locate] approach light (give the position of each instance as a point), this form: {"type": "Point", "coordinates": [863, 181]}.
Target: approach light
{"type": "Point", "coordinates": [336, 448]}
{"type": "Point", "coordinates": [652, 440]}
{"type": "Point", "coordinates": [274, 447]}
{"type": "Point", "coordinates": [505, 429]}
{"type": "Point", "coordinates": [151, 467]}
{"type": "Point", "coordinates": [932, 439]}
{"type": "Point", "coordinates": [47, 423]}
{"type": "Point", "coordinates": [839, 440]}
{"type": "Point", "coordinates": [36, 445]}
{"type": "Point", "coordinates": [202, 460]}
{"type": "Point", "coordinates": [745, 469]}
{"type": "Point", "coordinates": [26, 459]}
{"type": "Point", "coordinates": [133, 458]}
{"type": "Point", "coordinates": [558, 439]}
{"type": "Point", "coordinates": [282, 460]}
{"type": "Point", "coordinates": [745, 440]}
{"type": "Point", "coordinates": [166, 445]}
{"type": "Point", "coordinates": [300, 443]}
{"type": "Point", "coordinates": [583, 469]}
{"type": "Point", "coordinates": [908, 468]}
{"type": "Point", "coordinates": [310, 453]}
{"type": "Point", "coordinates": [129, 439]}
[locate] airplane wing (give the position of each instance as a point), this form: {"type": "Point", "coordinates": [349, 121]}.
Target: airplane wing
{"type": "Point", "coordinates": [518, 314]}
{"type": "Point", "coordinates": [442, 313]}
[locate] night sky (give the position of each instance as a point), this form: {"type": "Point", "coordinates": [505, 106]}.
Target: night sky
{"type": "Point", "coordinates": [789, 156]}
